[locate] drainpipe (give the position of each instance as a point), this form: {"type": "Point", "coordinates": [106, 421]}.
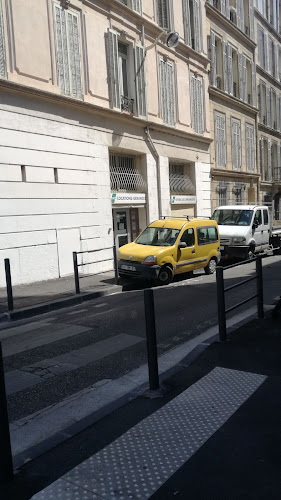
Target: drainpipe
{"type": "Point", "coordinates": [157, 158]}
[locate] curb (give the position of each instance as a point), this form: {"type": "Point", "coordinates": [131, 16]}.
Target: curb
{"type": "Point", "coordinates": [45, 307]}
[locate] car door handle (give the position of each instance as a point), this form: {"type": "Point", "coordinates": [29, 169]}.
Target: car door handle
{"type": "Point", "coordinates": [193, 250]}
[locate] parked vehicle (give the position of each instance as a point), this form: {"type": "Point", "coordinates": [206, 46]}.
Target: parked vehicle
{"type": "Point", "coordinates": [171, 246]}
{"type": "Point", "coordinates": [246, 230]}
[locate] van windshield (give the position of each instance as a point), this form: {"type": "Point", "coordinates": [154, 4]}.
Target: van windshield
{"type": "Point", "coordinates": [158, 236]}
{"type": "Point", "coordinates": [229, 217]}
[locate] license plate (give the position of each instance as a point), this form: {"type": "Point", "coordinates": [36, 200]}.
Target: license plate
{"type": "Point", "coordinates": [128, 268]}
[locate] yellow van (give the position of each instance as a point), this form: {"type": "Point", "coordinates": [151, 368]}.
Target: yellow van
{"type": "Point", "coordinates": [171, 246]}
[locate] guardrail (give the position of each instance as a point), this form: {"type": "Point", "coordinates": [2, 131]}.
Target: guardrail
{"type": "Point", "coordinates": [221, 290]}
{"type": "Point", "coordinates": [76, 265]}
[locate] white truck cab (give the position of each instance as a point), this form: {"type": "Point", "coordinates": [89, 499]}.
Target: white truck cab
{"type": "Point", "coordinates": [244, 229]}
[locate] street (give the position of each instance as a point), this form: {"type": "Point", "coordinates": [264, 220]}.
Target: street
{"type": "Point", "coordinates": [60, 356]}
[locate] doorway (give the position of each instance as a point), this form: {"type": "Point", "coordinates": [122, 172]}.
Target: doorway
{"type": "Point", "coordinates": [125, 225]}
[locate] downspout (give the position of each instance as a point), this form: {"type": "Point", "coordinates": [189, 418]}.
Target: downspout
{"type": "Point", "coordinates": [157, 159]}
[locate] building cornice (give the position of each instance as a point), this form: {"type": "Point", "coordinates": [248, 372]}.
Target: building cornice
{"type": "Point", "coordinates": [234, 173]}
{"type": "Point", "coordinates": [269, 131]}
{"type": "Point", "coordinates": [229, 25]}
{"type": "Point", "coordinates": [266, 23]}
{"type": "Point", "coordinates": [99, 110]}
{"type": "Point", "coordinates": [213, 91]}
{"type": "Point", "coordinates": [181, 50]}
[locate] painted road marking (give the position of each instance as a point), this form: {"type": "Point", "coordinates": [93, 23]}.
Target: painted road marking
{"type": "Point", "coordinates": [141, 460]}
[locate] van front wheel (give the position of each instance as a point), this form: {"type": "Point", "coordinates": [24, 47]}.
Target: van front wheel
{"type": "Point", "coordinates": [211, 267]}
{"type": "Point", "coordinates": [165, 276]}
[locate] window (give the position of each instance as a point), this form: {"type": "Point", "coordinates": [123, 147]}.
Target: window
{"type": "Point", "coordinates": [158, 236]}
{"type": "Point", "coordinates": [223, 194]}
{"type": "Point", "coordinates": [258, 217]}
{"type": "Point", "coordinates": [197, 104]}
{"type": "Point", "coordinates": [235, 72]}
{"type": "Point", "coordinates": [124, 175]}
{"type": "Point", "coordinates": [164, 14]}
{"type": "Point", "coordinates": [180, 182]}
{"type": "Point", "coordinates": [260, 6]}
{"type": "Point", "coordinates": [2, 45]}
{"type": "Point", "coordinates": [236, 143]}
{"type": "Point", "coordinates": [250, 148]}
{"type": "Point", "coordinates": [126, 68]}
{"type": "Point", "coordinates": [68, 57]}
{"type": "Point", "coordinates": [262, 46]}
{"type": "Point", "coordinates": [265, 217]}
{"type": "Point", "coordinates": [273, 104]}
{"type": "Point", "coordinates": [135, 5]}
{"type": "Point", "coordinates": [192, 23]}
{"type": "Point", "coordinates": [271, 56]}
{"type": "Point", "coordinates": [188, 237]}
{"type": "Point", "coordinates": [207, 235]}
{"type": "Point", "coordinates": [167, 89]}
{"type": "Point", "coordinates": [238, 191]}
{"type": "Point", "coordinates": [265, 159]}
{"type": "Point", "coordinates": [263, 108]}
{"type": "Point", "coordinates": [220, 140]}
{"type": "Point", "coordinates": [217, 53]}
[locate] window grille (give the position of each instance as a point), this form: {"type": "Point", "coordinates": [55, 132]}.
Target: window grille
{"type": "Point", "coordinates": [238, 191]}
{"type": "Point", "coordinates": [124, 176]}
{"type": "Point", "coordinates": [179, 181]}
{"type": "Point", "coordinates": [222, 191]}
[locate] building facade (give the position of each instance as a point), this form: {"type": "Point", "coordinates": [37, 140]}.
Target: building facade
{"type": "Point", "coordinates": [104, 128]}
{"type": "Point", "coordinates": [268, 39]}
{"type": "Point", "coordinates": [233, 104]}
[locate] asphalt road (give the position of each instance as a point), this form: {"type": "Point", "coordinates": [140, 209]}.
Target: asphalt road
{"type": "Point", "coordinates": [113, 328]}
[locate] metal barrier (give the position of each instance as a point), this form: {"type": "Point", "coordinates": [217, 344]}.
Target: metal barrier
{"type": "Point", "coordinates": [76, 265]}
{"type": "Point", "coordinates": [9, 287]}
{"type": "Point", "coordinates": [151, 341]}
{"type": "Point", "coordinates": [6, 461]}
{"type": "Point", "coordinates": [221, 290]}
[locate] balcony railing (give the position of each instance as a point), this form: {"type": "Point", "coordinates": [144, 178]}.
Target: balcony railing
{"type": "Point", "coordinates": [127, 104]}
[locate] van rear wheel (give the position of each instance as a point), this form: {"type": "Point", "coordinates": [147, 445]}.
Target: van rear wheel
{"type": "Point", "coordinates": [165, 276]}
{"type": "Point", "coordinates": [211, 267]}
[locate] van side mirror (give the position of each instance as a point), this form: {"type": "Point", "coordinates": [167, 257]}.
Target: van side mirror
{"type": "Point", "coordinates": [255, 225]}
{"type": "Point", "coordinates": [182, 244]}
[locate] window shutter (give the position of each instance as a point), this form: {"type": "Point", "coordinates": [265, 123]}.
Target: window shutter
{"type": "Point", "coordinates": [236, 144]}
{"type": "Point", "coordinates": [277, 112]}
{"type": "Point", "coordinates": [269, 173]}
{"type": "Point", "coordinates": [3, 72]}
{"type": "Point", "coordinates": [198, 99]}
{"type": "Point", "coordinates": [227, 9]}
{"type": "Point", "coordinates": [223, 7]}
{"type": "Point", "coordinates": [113, 68]}
{"type": "Point", "coordinates": [137, 6]}
{"type": "Point", "coordinates": [240, 76]}
{"type": "Point", "coordinates": [245, 78]}
{"type": "Point", "coordinates": [262, 158]}
{"type": "Point", "coordinates": [140, 79]}
{"type": "Point", "coordinates": [167, 92]}
{"type": "Point", "coordinates": [194, 106]}
{"type": "Point", "coordinates": [171, 93]}
{"type": "Point", "coordinates": [250, 148]}
{"type": "Point", "coordinates": [224, 66]}
{"type": "Point", "coordinates": [268, 114]}
{"type": "Point", "coordinates": [242, 21]}
{"type": "Point", "coordinates": [271, 109]}
{"type": "Point", "coordinates": [251, 19]}
{"type": "Point", "coordinates": [253, 71]}
{"type": "Point", "coordinates": [220, 144]}
{"type": "Point", "coordinates": [74, 54]}
{"type": "Point", "coordinates": [186, 22]}
{"type": "Point", "coordinates": [270, 68]}
{"type": "Point", "coordinates": [261, 46]}
{"type": "Point", "coordinates": [213, 59]}
{"type": "Point", "coordinates": [230, 69]}
{"type": "Point", "coordinates": [164, 14]}
{"type": "Point", "coordinates": [238, 13]}
{"type": "Point", "coordinates": [61, 50]}
{"type": "Point", "coordinates": [278, 156]}
{"type": "Point", "coordinates": [266, 65]}
{"type": "Point", "coordinates": [275, 61]}
{"type": "Point", "coordinates": [262, 102]}
{"type": "Point", "coordinates": [197, 25]}
{"type": "Point", "coordinates": [211, 2]}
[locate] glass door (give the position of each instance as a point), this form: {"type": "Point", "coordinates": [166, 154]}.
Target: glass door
{"type": "Point", "coordinates": [121, 224]}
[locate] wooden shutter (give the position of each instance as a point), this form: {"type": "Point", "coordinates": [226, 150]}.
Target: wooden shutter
{"type": "Point", "coordinates": [167, 92]}
{"type": "Point", "coordinates": [250, 148]}
{"type": "Point", "coordinates": [186, 22]}
{"type": "Point", "coordinates": [230, 69]}
{"type": "Point", "coordinates": [268, 113]}
{"type": "Point", "coordinates": [262, 102]}
{"type": "Point", "coordinates": [240, 76]}
{"type": "Point", "coordinates": [242, 21]}
{"type": "Point", "coordinates": [220, 142]}
{"type": "Point", "coordinates": [251, 19]}
{"type": "Point", "coordinates": [140, 80]}
{"type": "Point", "coordinates": [253, 71]}
{"type": "Point", "coordinates": [197, 25]}
{"type": "Point", "coordinates": [269, 173]}
{"type": "Point", "coordinates": [261, 46]}
{"type": "Point", "coordinates": [224, 66]}
{"type": "Point", "coordinates": [266, 65]}
{"type": "Point", "coordinates": [171, 93]}
{"type": "Point", "coordinates": [74, 54]}
{"type": "Point", "coordinates": [278, 157]}
{"type": "Point", "coordinates": [238, 13]}
{"type": "Point", "coordinates": [164, 14]}
{"type": "Point", "coordinates": [236, 143]}
{"type": "Point", "coordinates": [275, 61]}
{"type": "Point", "coordinates": [262, 158]}
{"type": "Point", "coordinates": [213, 59]}
{"type": "Point", "coordinates": [245, 78]}
{"type": "Point", "coordinates": [227, 9]}
{"type": "Point", "coordinates": [137, 6]}
{"type": "Point", "coordinates": [62, 61]}
{"type": "Point", "coordinates": [194, 106]}
{"type": "Point", "coordinates": [197, 104]}
{"type": "Point", "coordinates": [223, 7]}
{"type": "Point", "coordinates": [3, 70]}
{"type": "Point", "coordinates": [277, 113]}
{"type": "Point", "coordinates": [113, 68]}
{"type": "Point", "coordinates": [270, 54]}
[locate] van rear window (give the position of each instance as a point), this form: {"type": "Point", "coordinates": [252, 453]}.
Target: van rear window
{"type": "Point", "coordinates": [207, 235]}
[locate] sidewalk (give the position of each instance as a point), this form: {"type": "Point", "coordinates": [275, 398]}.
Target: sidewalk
{"type": "Point", "coordinates": [55, 294]}
{"type": "Point", "coordinates": [214, 435]}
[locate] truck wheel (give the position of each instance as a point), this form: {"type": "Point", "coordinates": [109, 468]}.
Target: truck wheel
{"type": "Point", "coordinates": [211, 266]}
{"type": "Point", "coordinates": [165, 276]}
{"type": "Point", "coordinates": [250, 254]}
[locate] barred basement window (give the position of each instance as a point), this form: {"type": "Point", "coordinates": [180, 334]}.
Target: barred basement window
{"type": "Point", "coordinates": [3, 69]}
{"type": "Point", "coordinates": [179, 180]}
{"type": "Point", "coordinates": [68, 56]}
{"type": "Point", "coordinates": [124, 176]}
{"type": "Point", "coordinates": [238, 191]}
{"type": "Point", "coordinates": [223, 194]}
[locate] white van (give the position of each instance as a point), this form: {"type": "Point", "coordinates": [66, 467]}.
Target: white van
{"type": "Point", "coordinates": [245, 230]}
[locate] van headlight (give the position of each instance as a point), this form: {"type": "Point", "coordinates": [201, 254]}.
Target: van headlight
{"type": "Point", "coordinates": [239, 241]}
{"type": "Point", "coordinates": [150, 260]}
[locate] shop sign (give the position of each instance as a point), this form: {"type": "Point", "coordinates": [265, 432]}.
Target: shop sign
{"type": "Point", "coordinates": [124, 198]}
{"type": "Point", "coordinates": [183, 200]}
